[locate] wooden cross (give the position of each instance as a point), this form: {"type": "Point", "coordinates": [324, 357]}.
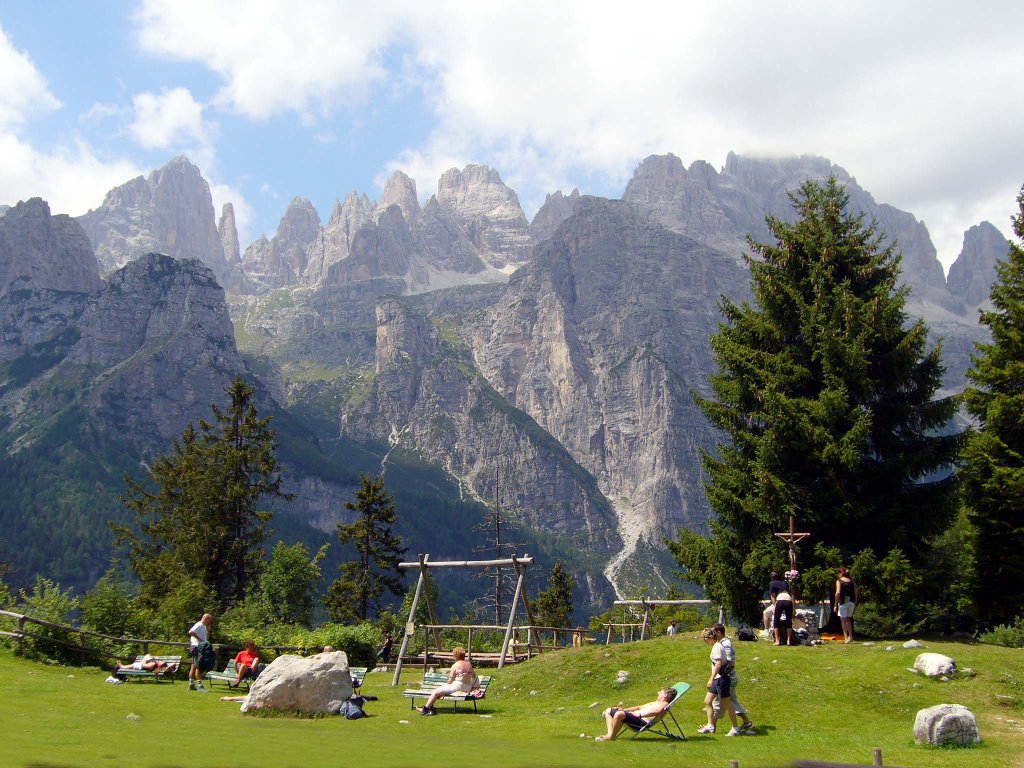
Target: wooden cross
{"type": "Point", "coordinates": [792, 537]}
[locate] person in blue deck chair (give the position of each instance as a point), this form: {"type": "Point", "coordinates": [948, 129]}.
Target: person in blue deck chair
{"type": "Point", "coordinates": [638, 717]}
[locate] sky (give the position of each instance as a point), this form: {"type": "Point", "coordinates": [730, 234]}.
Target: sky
{"type": "Point", "coordinates": [274, 100]}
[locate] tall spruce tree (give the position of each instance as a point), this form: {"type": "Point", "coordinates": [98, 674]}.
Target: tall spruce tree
{"type": "Point", "coordinates": [993, 475]}
{"type": "Point", "coordinates": [553, 606]}
{"type": "Point", "coordinates": [198, 512]}
{"type": "Point", "coordinates": [827, 397]}
{"type": "Point", "coordinates": [358, 591]}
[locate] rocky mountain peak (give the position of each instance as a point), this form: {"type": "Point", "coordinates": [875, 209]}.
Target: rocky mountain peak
{"type": "Point", "coordinates": [43, 251]}
{"type": "Point", "coordinates": [489, 213]}
{"type": "Point", "coordinates": [170, 211]}
{"type": "Point", "coordinates": [282, 260]}
{"type": "Point", "coordinates": [228, 231]}
{"type": "Point", "coordinates": [556, 209]}
{"type": "Point", "coordinates": [972, 274]}
{"type": "Point", "coordinates": [400, 190]}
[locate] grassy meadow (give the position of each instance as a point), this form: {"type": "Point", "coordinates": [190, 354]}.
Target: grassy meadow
{"type": "Point", "coordinates": [829, 702]}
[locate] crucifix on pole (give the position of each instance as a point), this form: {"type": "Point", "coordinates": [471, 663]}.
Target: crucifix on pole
{"type": "Point", "coordinates": [791, 537]}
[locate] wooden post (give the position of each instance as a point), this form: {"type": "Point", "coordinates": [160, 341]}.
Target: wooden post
{"type": "Point", "coordinates": [734, 764]}
{"type": "Point", "coordinates": [512, 611]}
{"type": "Point", "coordinates": [430, 604]}
{"type": "Point", "coordinates": [878, 756]}
{"type": "Point", "coordinates": [469, 646]}
{"type": "Point", "coordinates": [647, 616]}
{"type": "Point", "coordinates": [410, 622]}
{"type": "Point", "coordinates": [21, 635]}
{"type": "Point", "coordinates": [608, 640]}
{"type": "Point", "coordinates": [721, 615]}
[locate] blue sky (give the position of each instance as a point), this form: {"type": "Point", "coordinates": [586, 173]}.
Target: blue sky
{"type": "Point", "coordinates": [917, 100]}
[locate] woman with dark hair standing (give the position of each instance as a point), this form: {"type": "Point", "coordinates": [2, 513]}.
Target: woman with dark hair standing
{"type": "Point", "coordinates": [847, 597]}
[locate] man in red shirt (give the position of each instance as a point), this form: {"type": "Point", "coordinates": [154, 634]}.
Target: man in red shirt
{"type": "Point", "coordinates": [247, 664]}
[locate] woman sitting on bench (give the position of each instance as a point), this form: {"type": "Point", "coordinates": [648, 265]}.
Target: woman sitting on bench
{"type": "Point", "coordinates": [461, 679]}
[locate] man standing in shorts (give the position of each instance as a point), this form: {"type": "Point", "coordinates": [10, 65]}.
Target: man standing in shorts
{"type": "Point", "coordinates": [200, 632]}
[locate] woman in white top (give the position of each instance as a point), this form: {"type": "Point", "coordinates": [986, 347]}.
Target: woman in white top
{"type": "Point", "coordinates": [461, 679]}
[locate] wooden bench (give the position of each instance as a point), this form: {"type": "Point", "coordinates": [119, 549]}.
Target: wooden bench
{"type": "Point", "coordinates": [166, 673]}
{"type": "Point", "coordinates": [434, 680]}
{"type": "Point", "coordinates": [227, 676]}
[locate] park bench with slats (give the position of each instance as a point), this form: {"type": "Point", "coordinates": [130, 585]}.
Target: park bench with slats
{"type": "Point", "coordinates": [434, 680]}
{"type": "Point", "coordinates": [166, 673]}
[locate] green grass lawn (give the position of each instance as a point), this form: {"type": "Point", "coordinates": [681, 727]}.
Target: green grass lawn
{"type": "Point", "coordinates": [830, 702]}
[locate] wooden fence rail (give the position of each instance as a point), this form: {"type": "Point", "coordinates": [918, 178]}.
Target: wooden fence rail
{"type": "Point", "coordinates": [21, 634]}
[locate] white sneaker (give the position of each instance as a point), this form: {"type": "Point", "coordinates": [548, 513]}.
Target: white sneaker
{"type": "Point", "coordinates": [706, 729]}
{"type": "Point", "coordinates": [734, 732]}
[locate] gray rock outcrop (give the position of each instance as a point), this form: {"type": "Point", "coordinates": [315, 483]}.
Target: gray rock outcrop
{"type": "Point", "coordinates": [400, 190]}
{"type": "Point", "coordinates": [318, 684]}
{"type": "Point", "coordinates": [489, 213]}
{"type": "Point", "coordinates": [946, 724]}
{"type": "Point", "coordinates": [38, 250]}
{"type": "Point", "coordinates": [556, 209]}
{"type": "Point", "coordinates": [334, 243]}
{"type": "Point", "coordinates": [426, 397]}
{"type": "Point", "coordinates": [170, 211]}
{"type": "Point", "coordinates": [587, 340]}
{"type": "Point", "coordinates": [144, 356]}
{"type": "Point", "coordinates": [972, 274]}
{"type": "Point", "coordinates": [281, 261]}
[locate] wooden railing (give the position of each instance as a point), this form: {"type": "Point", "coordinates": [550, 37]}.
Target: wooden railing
{"type": "Point", "coordinates": [85, 651]}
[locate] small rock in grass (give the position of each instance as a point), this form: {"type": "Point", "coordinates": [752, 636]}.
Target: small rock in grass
{"type": "Point", "coordinates": [967, 672]}
{"type": "Point", "coordinates": [755, 680]}
{"type": "Point", "coordinates": [912, 670]}
{"type": "Point", "coordinates": [592, 705]}
{"type": "Point", "coordinates": [889, 648]}
{"type": "Point", "coordinates": [584, 736]}
{"type": "Point", "coordinates": [71, 677]}
{"type": "Point", "coordinates": [944, 679]}
{"type": "Point", "coordinates": [486, 715]}
{"type": "Point", "coordinates": [868, 645]}
{"type": "Point", "coordinates": [913, 644]}
{"type": "Point", "coordinates": [917, 685]}
{"type": "Point", "coordinates": [133, 716]}
{"type": "Point", "coordinates": [775, 661]}
{"type": "Point", "coordinates": [533, 693]}
{"type": "Point", "coordinates": [403, 722]}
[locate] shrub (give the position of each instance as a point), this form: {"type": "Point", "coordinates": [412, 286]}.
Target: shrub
{"type": "Point", "coordinates": [1010, 635]}
{"type": "Point", "coordinates": [110, 607]}
{"type": "Point", "coordinates": [47, 601]}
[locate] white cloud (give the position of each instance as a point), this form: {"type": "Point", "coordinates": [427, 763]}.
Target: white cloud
{"type": "Point", "coordinates": [72, 179]}
{"type": "Point", "coordinates": [920, 107]}
{"type": "Point", "coordinates": [170, 118]}
{"type": "Point", "coordinates": [275, 56]}
{"type": "Point", "coordinates": [23, 90]}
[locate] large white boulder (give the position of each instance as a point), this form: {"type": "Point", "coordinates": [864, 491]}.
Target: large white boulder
{"type": "Point", "coordinates": [293, 683]}
{"type": "Point", "coordinates": [946, 723]}
{"type": "Point", "coordinates": [935, 664]}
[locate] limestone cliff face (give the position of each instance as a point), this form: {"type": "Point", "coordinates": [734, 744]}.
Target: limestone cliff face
{"type": "Point", "coordinates": [170, 211]}
{"type": "Point", "coordinates": [400, 190]}
{"type": "Point", "coordinates": [334, 243]}
{"type": "Point", "coordinates": [281, 261]}
{"type": "Point", "coordinates": [556, 209]}
{"type": "Point", "coordinates": [143, 356]}
{"type": "Point", "coordinates": [972, 274]}
{"type": "Point", "coordinates": [599, 339]}
{"type": "Point", "coordinates": [489, 213]}
{"type": "Point", "coordinates": [427, 398]}
{"type": "Point", "coordinates": [721, 208]}
{"type": "Point", "coordinates": [42, 251]}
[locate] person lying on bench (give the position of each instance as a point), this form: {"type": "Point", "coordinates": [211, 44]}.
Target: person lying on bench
{"type": "Point", "coordinates": [461, 679]}
{"type": "Point", "coordinates": [637, 717]}
{"type": "Point", "coordinates": [147, 663]}
{"type": "Point", "coordinates": [247, 664]}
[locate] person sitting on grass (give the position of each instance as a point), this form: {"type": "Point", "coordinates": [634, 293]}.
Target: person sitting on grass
{"type": "Point", "coordinates": [461, 679]}
{"type": "Point", "coordinates": [247, 664]}
{"type": "Point", "coordinates": [636, 717]}
{"type": "Point", "coordinates": [147, 663]}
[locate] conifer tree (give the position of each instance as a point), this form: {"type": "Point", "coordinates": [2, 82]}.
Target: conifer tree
{"type": "Point", "coordinates": [827, 397]}
{"type": "Point", "coordinates": [198, 513]}
{"type": "Point", "coordinates": [993, 475]}
{"type": "Point", "coordinates": [553, 607]}
{"type": "Point", "coordinates": [363, 582]}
